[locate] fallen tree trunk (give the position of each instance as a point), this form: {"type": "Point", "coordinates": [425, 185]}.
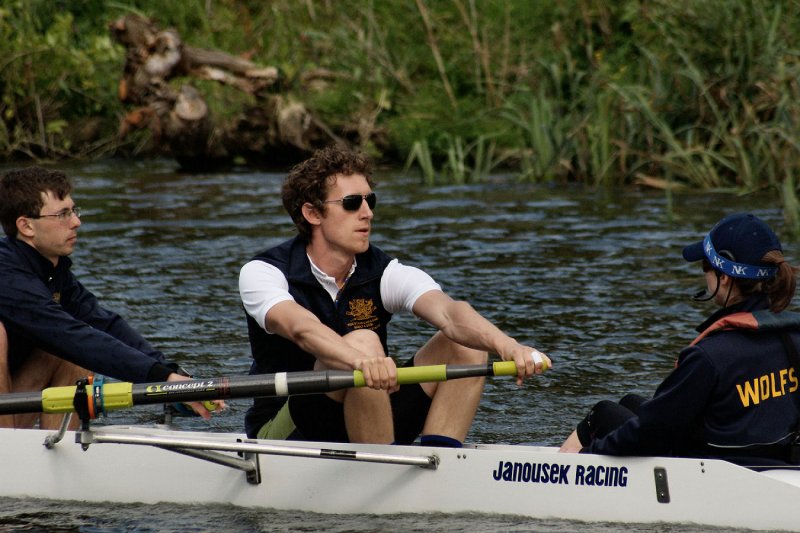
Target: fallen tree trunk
{"type": "Point", "coordinates": [275, 128]}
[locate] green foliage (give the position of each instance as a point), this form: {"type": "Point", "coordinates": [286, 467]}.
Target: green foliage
{"type": "Point", "coordinates": [56, 73]}
{"type": "Point", "coordinates": [679, 92]}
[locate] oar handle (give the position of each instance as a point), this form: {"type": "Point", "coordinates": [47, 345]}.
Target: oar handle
{"type": "Point", "coordinates": [408, 375]}
{"type": "Point", "coordinates": [431, 373]}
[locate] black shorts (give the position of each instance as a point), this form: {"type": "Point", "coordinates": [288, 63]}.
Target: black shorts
{"type": "Point", "coordinates": [19, 349]}
{"type": "Point", "coordinates": [317, 417]}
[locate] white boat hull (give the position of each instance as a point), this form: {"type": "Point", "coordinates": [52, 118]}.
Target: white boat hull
{"type": "Point", "coordinates": [512, 480]}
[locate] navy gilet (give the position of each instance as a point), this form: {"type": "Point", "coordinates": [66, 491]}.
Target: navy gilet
{"type": "Point", "coordinates": [358, 306]}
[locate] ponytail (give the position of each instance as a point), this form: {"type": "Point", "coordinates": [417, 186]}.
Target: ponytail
{"type": "Point", "coordinates": [779, 289]}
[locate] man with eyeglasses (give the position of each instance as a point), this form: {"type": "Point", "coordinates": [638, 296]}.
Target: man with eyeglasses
{"type": "Point", "coordinates": [52, 329]}
{"type": "Point", "coordinates": [324, 299]}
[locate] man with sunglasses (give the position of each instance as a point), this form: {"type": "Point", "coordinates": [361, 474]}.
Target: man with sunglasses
{"type": "Point", "coordinates": [324, 299]}
{"type": "Point", "coordinates": [51, 327]}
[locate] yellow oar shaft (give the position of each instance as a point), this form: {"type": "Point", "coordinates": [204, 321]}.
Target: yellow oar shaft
{"type": "Point", "coordinates": [59, 399]}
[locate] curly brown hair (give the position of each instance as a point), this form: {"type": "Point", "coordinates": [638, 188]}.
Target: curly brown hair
{"type": "Point", "coordinates": [21, 193]}
{"type": "Point", "coordinates": [310, 181]}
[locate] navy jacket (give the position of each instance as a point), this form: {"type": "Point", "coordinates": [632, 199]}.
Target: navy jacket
{"type": "Point", "coordinates": [47, 307]}
{"type": "Point", "coordinates": [731, 392]}
{"type": "Point", "coordinates": [359, 306]}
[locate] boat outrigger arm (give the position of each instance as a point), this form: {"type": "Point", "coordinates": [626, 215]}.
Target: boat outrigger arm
{"type": "Point", "coordinates": [90, 397]}
{"type": "Point", "coordinates": [247, 451]}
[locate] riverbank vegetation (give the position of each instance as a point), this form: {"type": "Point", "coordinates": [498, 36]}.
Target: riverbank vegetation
{"type": "Point", "coordinates": [667, 93]}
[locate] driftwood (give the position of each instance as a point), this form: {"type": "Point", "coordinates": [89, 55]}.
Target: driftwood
{"type": "Point", "coordinates": [276, 128]}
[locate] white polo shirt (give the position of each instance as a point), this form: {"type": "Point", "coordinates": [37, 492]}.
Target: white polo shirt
{"type": "Point", "coordinates": [262, 286]}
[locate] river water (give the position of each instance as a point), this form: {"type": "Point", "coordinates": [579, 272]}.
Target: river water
{"type": "Point", "coordinates": [593, 277]}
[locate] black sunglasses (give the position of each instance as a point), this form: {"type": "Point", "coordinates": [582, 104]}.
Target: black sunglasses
{"type": "Point", "coordinates": [352, 202]}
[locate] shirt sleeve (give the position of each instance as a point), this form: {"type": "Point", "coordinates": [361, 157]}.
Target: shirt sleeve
{"type": "Point", "coordinates": [401, 285]}
{"type": "Point", "coordinates": [261, 287]}
{"type": "Point", "coordinates": [87, 338]}
{"type": "Point", "coordinates": [84, 306]}
{"type": "Point", "coordinates": [669, 420]}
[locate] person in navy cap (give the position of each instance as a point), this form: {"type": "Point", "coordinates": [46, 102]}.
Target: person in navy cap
{"type": "Point", "coordinates": [734, 391]}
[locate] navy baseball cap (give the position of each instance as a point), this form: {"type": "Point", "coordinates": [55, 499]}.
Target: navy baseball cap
{"type": "Point", "coordinates": [736, 245]}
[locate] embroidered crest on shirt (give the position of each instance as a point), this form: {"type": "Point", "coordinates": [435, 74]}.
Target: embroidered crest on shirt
{"type": "Point", "coordinates": [362, 311]}
{"type": "Point", "coordinates": [57, 297]}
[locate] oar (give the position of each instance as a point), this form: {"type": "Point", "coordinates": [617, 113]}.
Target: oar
{"type": "Point", "coordinates": [104, 396]}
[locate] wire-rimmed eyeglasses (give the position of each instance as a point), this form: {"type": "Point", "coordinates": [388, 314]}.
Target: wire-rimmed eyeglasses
{"type": "Point", "coordinates": [63, 215]}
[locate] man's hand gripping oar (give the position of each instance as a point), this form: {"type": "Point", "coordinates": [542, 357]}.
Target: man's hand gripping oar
{"type": "Point", "coordinates": [529, 361]}
{"type": "Point", "coordinates": [202, 409]}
